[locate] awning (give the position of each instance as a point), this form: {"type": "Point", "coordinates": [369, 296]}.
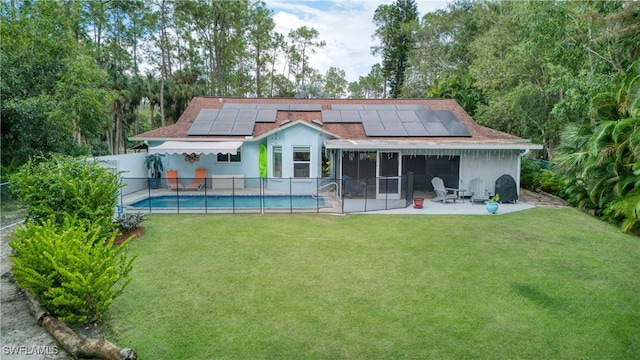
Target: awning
{"type": "Point", "coordinates": [198, 147]}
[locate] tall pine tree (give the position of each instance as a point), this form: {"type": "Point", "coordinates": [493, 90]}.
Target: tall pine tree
{"type": "Point", "coordinates": [395, 25]}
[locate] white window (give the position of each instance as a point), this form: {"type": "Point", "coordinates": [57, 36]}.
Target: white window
{"type": "Point", "coordinates": [277, 161]}
{"type": "Point", "coordinates": [301, 161]}
{"type": "Point", "coordinates": [229, 158]}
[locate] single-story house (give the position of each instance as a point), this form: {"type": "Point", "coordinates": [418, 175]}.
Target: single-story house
{"type": "Point", "coordinates": [291, 143]}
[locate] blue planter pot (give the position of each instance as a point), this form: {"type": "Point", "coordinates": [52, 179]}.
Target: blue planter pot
{"type": "Point", "coordinates": [154, 183]}
{"type": "Point", "coordinates": [491, 206]}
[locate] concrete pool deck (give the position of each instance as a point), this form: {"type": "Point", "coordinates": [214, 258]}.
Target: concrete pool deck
{"type": "Point", "coordinates": [350, 206]}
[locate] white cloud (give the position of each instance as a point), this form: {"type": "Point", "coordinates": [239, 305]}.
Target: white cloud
{"type": "Point", "coordinates": [345, 25]}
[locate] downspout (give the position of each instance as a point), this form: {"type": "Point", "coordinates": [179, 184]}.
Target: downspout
{"type": "Point", "coordinates": [519, 168]}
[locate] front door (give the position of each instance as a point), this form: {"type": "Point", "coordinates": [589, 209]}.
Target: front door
{"type": "Point", "coordinates": [388, 184]}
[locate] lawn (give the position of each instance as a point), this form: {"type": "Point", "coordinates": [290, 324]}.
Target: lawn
{"type": "Point", "coordinates": [538, 284]}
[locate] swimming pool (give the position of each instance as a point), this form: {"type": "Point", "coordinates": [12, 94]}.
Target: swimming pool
{"type": "Point", "coordinates": [230, 202]}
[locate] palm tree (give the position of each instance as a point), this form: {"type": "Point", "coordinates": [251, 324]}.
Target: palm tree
{"type": "Point", "coordinates": [461, 89]}
{"type": "Point", "coordinates": [152, 86]}
{"type": "Point", "coordinates": [605, 158]}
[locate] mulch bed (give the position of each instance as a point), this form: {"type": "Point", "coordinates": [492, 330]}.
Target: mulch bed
{"type": "Point", "coordinates": [137, 232]}
{"type": "Point", "coordinates": [541, 199]}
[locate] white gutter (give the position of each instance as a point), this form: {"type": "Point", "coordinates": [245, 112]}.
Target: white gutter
{"type": "Point", "coordinates": [193, 139]}
{"type": "Point", "coordinates": [354, 145]}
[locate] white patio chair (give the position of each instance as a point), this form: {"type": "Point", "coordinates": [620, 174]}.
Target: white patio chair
{"type": "Point", "coordinates": [443, 193]}
{"type": "Point", "coordinates": [478, 191]}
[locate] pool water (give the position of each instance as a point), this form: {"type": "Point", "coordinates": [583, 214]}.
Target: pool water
{"type": "Point", "coordinates": [230, 202]}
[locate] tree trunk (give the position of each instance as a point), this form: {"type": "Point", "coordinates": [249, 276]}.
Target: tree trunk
{"type": "Point", "coordinates": [162, 121]}
{"type": "Point", "coordinates": [258, 92]}
{"type": "Point", "coordinates": [77, 346]}
{"type": "Point", "coordinates": [81, 347]}
{"type": "Point", "coordinates": [108, 136]}
{"type": "Point", "coordinates": [151, 108]}
{"type": "Point", "coordinates": [118, 136]}
{"type": "Point", "coordinates": [136, 124]}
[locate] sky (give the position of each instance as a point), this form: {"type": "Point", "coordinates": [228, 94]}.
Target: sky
{"type": "Point", "coordinates": [345, 25]}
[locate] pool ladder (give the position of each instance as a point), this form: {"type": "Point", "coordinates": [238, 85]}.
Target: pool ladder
{"type": "Point", "coordinates": [315, 192]}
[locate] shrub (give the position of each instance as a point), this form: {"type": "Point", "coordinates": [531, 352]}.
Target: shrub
{"type": "Point", "coordinates": [530, 174]}
{"type": "Point", "coordinates": [551, 182]}
{"type": "Point", "coordinates": [539, 175]}
{"type": "Point", "coordinates": [128, 222]}
{"type": "Point", "coordinates": [69, 268]}
{"type": "Point", "coordinates": [76, 186]}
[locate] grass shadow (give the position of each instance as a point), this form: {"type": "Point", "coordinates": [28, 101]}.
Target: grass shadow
{"type": "Point", "coordinates": [538, 296]}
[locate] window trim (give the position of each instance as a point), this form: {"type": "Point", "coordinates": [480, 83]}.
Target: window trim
{"type": "Point", "coordinates": [294, 161]}
{"type": "Point", "coordinates": [275, 173]}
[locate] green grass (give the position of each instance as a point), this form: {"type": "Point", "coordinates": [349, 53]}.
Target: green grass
{"type": "Point", "coordinates": [543, 284]}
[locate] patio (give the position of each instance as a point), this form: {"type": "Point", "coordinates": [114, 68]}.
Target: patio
{"type": "Point", "coordinates": [458, 208]}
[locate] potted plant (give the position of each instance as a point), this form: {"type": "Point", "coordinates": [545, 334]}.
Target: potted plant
{"type": "Point", "coordinates": [492, 204]}
{"type": "Point", "coordinates": [153, 163]}
{"type": "Point", "coordinates": [418, 202]}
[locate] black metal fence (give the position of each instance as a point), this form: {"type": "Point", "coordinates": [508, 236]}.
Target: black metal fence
{"type": "Point", "coordinates": [239, 194]}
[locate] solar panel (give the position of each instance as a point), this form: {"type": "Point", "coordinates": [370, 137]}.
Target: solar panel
{"type": "Point", "coordinates": [452, 123]}
{"type": "Point", "coordinates": [381, 107]}
{"type": "Point", "coordinates": [408, 117]}
{"type": "Point", "coordinates": [238, 106]}
{"type": "Point", "coordinates": [387, 116]}
{"type": "Point", "coordinates": [203, 122]}
{"type": "Point", "coordinates": [200, 128]}
{"type": "Point", "coordinates": [350, 116]}
{"type": "Point", "coordinates": [242, 128]}
{"type": "Point", "coordinates": [369, 115]}
{"type": "Point", "coordinates": [331, 116]}
{"type": "Point", "coordinates": [207, 114]}
{"type": "Point", "coordinates": [427, 116]}
{"type": "Point", "coordinates": [227, 115]}
{"type": "Point", "coordinates": [392, 124]}
{"type": "Point", "coordinates": [221, 128]}
{"type": "Point", "coordinates": [457, 129]}
{"type": "Point", "coordinates": [415, 129]}
{"type": "Point", "coordinates": [395, 130]}
{"type": "Point", "coordinates": [412, 107]}
{"type": "Point", "coordinates": [238, 119]}
{"type": "Point", "coordinates": [247, 115]}
{"type": "Point", "coordinates": [266, 116]}
{"type": "Point", "coordinates": [374, 127]}
{"type": "Point", "coordinates": [282, 107]}
{"type": "Point", "coordinates": [305, 107]}
{"type": "Point", "coordinates": [346, 107]}
{"type": "Point", "coordinates": [412, 120]}
{"type": "Point", "coordinates": [436, 129]}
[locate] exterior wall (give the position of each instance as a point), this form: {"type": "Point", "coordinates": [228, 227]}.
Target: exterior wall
{"type": "Point", "coordinates": [248, 165]}
{"type": "Point", "coordinates": [298, 135]}
{"type": "Point", "coordinates": [489, 165]}
{"type": "Point", "coordinates": [134, 173]}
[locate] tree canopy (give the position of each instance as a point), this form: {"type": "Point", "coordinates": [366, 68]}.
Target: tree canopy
{"type": "Point", "coordinates": [80, 77]}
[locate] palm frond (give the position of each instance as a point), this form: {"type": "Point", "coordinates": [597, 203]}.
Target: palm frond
{"type": "Point", "coordinates": [604, 106]}
{"type": "Point", "coordinates": [627, 209]}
